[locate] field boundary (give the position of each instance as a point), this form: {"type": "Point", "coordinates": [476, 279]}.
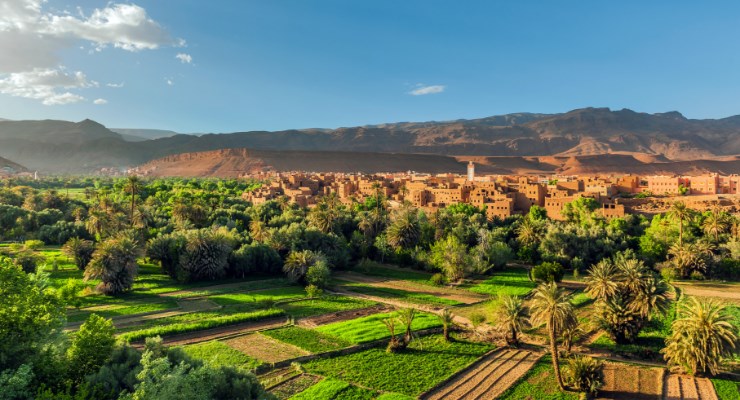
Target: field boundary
{"type": "Point", "coordinates": [462, 371]}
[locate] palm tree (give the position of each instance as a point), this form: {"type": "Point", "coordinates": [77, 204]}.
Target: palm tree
{"type": "Point", "coordinates": [447, 319]}
{"type": "Point", "coordinates": [528, 232]}
{"type": "Point", "coordinates": [715, 223]}
{"type": "Point", "coordinates": [258, 230]}
{"type": "Point", "coordinates": [601, 281]}
{"type": "Point", "coordinates": [79, 250]}
{"type": "Point", "coordinates": [114, 263]}
{"type": "Point", "coordinates": [682, 213]}
{"type": "Point", "coordinates": [551, 306]}
{"type": "Point", "coordinates": [297, 264]}
{"type": "Point", "coordinates": [702, 335]}
{"type": "Point", "coordinates": [511, 317]}
{"type": "Point", "coordinates": [652, 296]}
{"type": "Point", "coordinates": [406, 317]}
{"type": "Point", "coordinates": [405, 230]}
{"type": "Point", "coordinates": [97, 222]}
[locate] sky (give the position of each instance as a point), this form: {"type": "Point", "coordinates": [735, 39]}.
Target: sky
{"type": "Point", "coordinates": [239, 65]}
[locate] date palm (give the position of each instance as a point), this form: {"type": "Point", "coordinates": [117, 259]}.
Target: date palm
{"type": "Point", "coordinates": [702, 335]}
{"type": "Point", "coordinates": [715, 224]}
{"type": "Point", "coordinates": [114, 263]}
{"type": "Point", "coordinates": [511, 317]}
{"type": "Point", "coordinates": [297, 264]}
{"type": "Point", "coordinates": [405, 230]}
{"type": "Point", "coordinates": [528, 232]}
{"type": "Point", "coordinates": [680, 212]}
{"type": "Point", "coordinates": [447, 319]}
{"type": "Point", "coordinates": [551, 306]}
{"type": "Point", "coordinates": [601, 281]}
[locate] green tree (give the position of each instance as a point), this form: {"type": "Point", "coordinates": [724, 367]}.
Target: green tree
{"type": "Point", "coordinates": [298, 262]}
{"type": "Point", "coordinates": [680, 213]}
{"type": "Point", "coordinates": [511, 317]}
{"type": "Point", "coordinates": [405, 230]}
{"type": "Point", "coordinates": [551, 306]}
{"type": "Point", "coordinates": [701, 336]}
{"type": "Point", "coordinates": [133, 187]}
{"type": "Point", "coordinates": [31, 317]}
{"type": "Point", "coordinates": [114, 263]}
{"type": "Point", "coordinates": [318, 274]}
{"type": "Point", "coordinates": [601, 281]}
{"type": "Point", "coordinates": [92, 345]}
{"type": "Point", "coordinates": [80, 251]}
{"type": "Point", "coordinates": [451, 256]}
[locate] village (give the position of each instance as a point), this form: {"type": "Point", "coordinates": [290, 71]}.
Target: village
{"type": "Point", "coordinates": [503, 196]}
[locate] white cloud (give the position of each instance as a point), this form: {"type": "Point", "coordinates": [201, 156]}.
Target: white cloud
{"type": "Point", "coordinates": [100, 102]}
{"type": "Point", "coordinates": [422, 90]}
{"type": "Point", "coordinates": [31, 37]}
{"type": "Point", "coordinates": [184, 58]}
{"type": "Point", "coordinates": [51, 86]}
{"type": "Point", "coordinates": [169, 81]}
{"type": "Point", "coordinates": [114, 85]}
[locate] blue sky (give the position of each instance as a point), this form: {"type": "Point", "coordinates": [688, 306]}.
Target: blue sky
{"type": "Point", "coordinates": [278, 64]}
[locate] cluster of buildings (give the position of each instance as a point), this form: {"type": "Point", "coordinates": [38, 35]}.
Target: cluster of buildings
{"type": "Point", "coordinates": [501, 196]}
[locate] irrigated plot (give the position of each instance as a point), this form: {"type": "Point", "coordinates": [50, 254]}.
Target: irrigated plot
{"type": "Point", "coordinates": [265, 348]}
{"type": "Point", "coordinates": [685, 387]}
{"type": "Point", "coordinates": [489, 377]}
{"type": "Point", "coordinates": [624, 381]}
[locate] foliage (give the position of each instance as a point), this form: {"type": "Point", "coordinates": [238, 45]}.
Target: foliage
{"type": "Point", "coordinates": [31, 317]}
{"type": "Point", "coordinates": [205, 255]}
{"type": "Point", "coordinates": [370, 328]}
{"type": "Point", "coordinates": [511, 317]}
{"type": "Point", "coordinates": [79, 250]}
{"type": "Point", "coordinates": [548, 272]}
{"type": "Point", "coordinates": [114, 263]}
{"type": "Point", "coordinates": [701, 336]}
{"type": "Point", "coordinates": [91, 346]}
{"type": "Point", "coordinates": [514, 282]}
{"type": "Point", "coordinates": [585, 374]}
{"type": "Point", "coordinates": [298, 262]}
{"type": "Point", "coordinates": [219, 354]}
{"type": "Point", "coordinates": [334, 389]}
{"type": "Point", "coordinates": [318, 275]}
{"type": "Point", "coordinates": [451, 256]}
{"type": "Point", "coordinates": [727, 389]}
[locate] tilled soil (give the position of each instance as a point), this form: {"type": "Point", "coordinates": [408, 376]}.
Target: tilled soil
{"type": "Point", "coordinates": [265, 348]}
{"type": "Point", "coordinates": [680, 387]}
{"type": "Point", "coordinates": [489, 377]}
{"type": "Point", "coordinates": [293, 386]}
{"type": "Point", "coordinates": [221, 332]}
{"type": "Point", "coordinates": [623, 381]}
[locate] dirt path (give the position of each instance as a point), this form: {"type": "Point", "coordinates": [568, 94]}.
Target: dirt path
{"type": "Point", "coordinates": [716, 290]}
{"type": "Point", "coordinates": [458, 295]}
{"type": "Point", "coordinates": [312, 322]}
{"type": "Point", "coordinates": [680, 387]}
{"type": "Point", "coordinates": [220, 332]}
{"type": "Point", "coordinates": [489, 377]}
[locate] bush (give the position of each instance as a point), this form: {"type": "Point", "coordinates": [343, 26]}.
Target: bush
{"type": "Point", "coordinates": [728, 269]}
{"type": "Point", "coordinates": [33, 244]}
{"type": "Point", "coordinates": [318, 274]}
{"type": "Point", "coordinates": [477, 319]}
{"type": "Point", "coordinates": [438, 279]}
{"type": "Point", "coordinates": [91, 347]}
{"type": "Point", "coordinates": [313, 291]}
{"type": "Point", "coordinates": [585, 374]}
{"type": "Point", "coordinates": [696, 276]}
{"type": "Point", "coordinates": [27, 260]}
{"type": "Point", "coordinates": [548, 272]}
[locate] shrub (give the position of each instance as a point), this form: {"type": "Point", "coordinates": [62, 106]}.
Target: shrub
{"type": "Point", "coordinates": [313, 291]}
{"type": "Point", "coordinates": [548, 272]}
{"type": "Point", "coordinates": [27, 260]}
{"type": "Point", "coordinates": [318, 274]}
{"type": "Point", "coordinates": [69, 294]}
{"type": "Point", "coordinates": [114, 263]}
{"type": "Point", "coordinates": [585, 374]}
{"type": "Point", "coordinates": [438, 279]}
{"type": "Point", "coordinates": [33, 244]}
{"type": "Point", "coordinates": [477, 319]}
{"type": "Point", "coordinates": [696, 276]}
{"type": "Point", "coordinates": [91, 346]}
{"type": "Point", "coordinates": [728, 269]}
{"type": "Point", "coordinates": [80, 251]}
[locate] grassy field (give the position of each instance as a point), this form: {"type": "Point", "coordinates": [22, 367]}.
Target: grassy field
{"type": "Point", "coordinates": [539, 383]}
{"type": "Point", "coordinates": [217, 353]}
{"type": "Point", "coordinates": [327, 304]}
{"type": "Point", "coordinates": [329, 389]}
{"type": "Point", "coordinates": [307, 339]}
{"type": "Point", "coordinates": [201, 324]}
{"type": "Point", "coordinates": [396, 273]}
{"type": "Point", "coordinates": [403, 295]}
{"type": "Point", "coordinates": [278, 294]}
{"type": "Point", "coordinates": [370, 328]}
{"type": "Point", "coordinates": [129, 308]}
{"type": "Point", "coordinates": [727, 389]}
{"type": "Point", "coordinates": [513, 281]}
{"type": "Point", "coordinates": [427, 362]}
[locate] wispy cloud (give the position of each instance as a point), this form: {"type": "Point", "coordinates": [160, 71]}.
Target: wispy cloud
{"type": "Point", "coordinates": [100, 102]}
{"type": "Point", "coordinates": [422, 90]}
{"type": "Point", "coordinates": [115, 85]}
{"type": "Point", "coordinates": [50, 85]}
{"type": "Point", "coordinates": [169, 81]}
{"type": "Point", "coordinates": [184, 58]}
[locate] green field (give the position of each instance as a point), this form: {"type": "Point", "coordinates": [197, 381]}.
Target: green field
{"type": "Point", "coordinates": [514, 282]}
{"type": "Point", "coordinates": [217, 353]}
{"type": "Point", "coordinates": [426, 363]}
{"type": "Point", "coordinates": [325, 305]}
{"type": "Point", "coordinates": [329, 389]}
{"type": "Point", "coordinates": [370, 328]}
{"type": "Point", "coordinates": [727, 389]}
{"type": "Point", "coordinates": [307, 339]}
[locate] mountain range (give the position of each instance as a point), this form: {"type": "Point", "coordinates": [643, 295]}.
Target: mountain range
{"type": "Point", "coordinates": [75, 147]}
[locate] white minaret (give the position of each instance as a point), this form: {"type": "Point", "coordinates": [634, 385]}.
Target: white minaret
{"type": "Point", "coordinates": [471, 171]}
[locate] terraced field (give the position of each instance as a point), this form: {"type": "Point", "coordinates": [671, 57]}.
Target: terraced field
{"type": "Point", "coordinates": [623, 381]}
{"type": "Point", "coordinates": [487, 378]}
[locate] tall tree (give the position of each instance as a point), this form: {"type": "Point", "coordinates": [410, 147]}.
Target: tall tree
{"type": "Point", "coordinates": [511, 317]}
{"type": "Point", "coordinates": [133, 187]}
{"type": "Point", "coordinates": [681, 213]}
{"type": "Point", "coordinates": [114, 263]}
{"type": "Point", "coordinates": [551, 306]}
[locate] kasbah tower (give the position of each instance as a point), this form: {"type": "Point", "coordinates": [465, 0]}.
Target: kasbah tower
{"type": "Point", "coordinates": [471, 171]}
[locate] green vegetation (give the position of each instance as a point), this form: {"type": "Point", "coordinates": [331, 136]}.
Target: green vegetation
{"type": "Point", "coordinates": [424, 364]}
{"type": "Point", "coordinates": [289, 293]}
{"type": "Point", "coordinates": [370, 328]}
{"type": "Point", "coordinates": [727, 389]}
{"type": "Point", "coordinates": [513, 281]}
{"type": "Point", "coordinates": [307, 339]}
{"type": "Point", "coordinates": [219, 354]}
{"type": "Point", "coordinates": [201, 324]}
{"type": "Point", "coordinates": [324, 305]}
{"type": "Point", "coordinates": [538, 383]}
{"type": "Point", "coordinates": [138, 307]}
{"type": "Point", "coordinates": [396, 273]}
{"type": "Point", "coordinates": [409, 297]}
{"type": "Point", "coordinates": [328, 389]}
